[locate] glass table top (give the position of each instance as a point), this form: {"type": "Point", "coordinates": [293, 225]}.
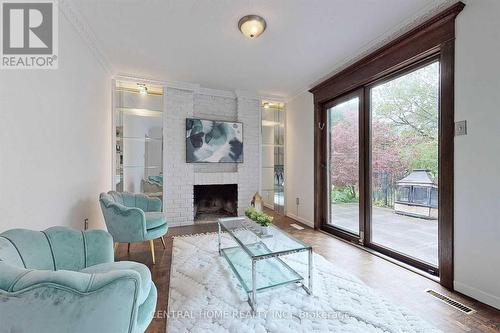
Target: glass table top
{"type": "Point", "coordinates": [272, 272]}
{"type": "Point", "coordinates": [248, 235]}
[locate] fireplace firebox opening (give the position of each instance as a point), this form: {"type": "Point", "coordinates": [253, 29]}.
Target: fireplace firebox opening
{"type": "Point", "coordinates": [215, 201]}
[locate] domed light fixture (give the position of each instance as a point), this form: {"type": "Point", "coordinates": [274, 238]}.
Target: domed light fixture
{"type": "Point", "coordinates": [252, 26]}
{"type": "Point", "coordinates": [143, 90]}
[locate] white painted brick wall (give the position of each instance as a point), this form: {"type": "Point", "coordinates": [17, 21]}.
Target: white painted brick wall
{"type": "Point", "coordinates": [215, 108]}
{"type": "Point", "coordinates": [180, 176]}
{"type": "Point", "coordinates": [249, 170]}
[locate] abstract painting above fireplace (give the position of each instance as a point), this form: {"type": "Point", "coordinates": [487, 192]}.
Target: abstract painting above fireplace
{"type": "Point", "coordinates": [211, 141]}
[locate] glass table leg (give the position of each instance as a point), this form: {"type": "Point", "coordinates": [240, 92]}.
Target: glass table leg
{"type": "Point", "coordinates": [310, 264]}
{"type": "Point", "coordinates": [254, 286]}
{"type": "Point", "coordinates": [218, 236]}
{"type": "Point", "coordinates": [309, 288]}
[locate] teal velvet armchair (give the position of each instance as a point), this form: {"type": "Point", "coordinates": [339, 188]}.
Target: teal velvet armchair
{"type": "Point", "coordinates": [133, 218]}
{"type": "Point", "coordinates": [66, 280]}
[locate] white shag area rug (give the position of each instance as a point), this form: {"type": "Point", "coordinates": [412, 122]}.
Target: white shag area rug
{"type": "Point", "coordinates": [205, 296]}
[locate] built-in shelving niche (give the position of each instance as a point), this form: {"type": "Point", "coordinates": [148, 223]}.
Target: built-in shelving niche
{"type": "Point", "coordinates": [273, 155]}
{"type": "Point", "coordinates": [138, 123]}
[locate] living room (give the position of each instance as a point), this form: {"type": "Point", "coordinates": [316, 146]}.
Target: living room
{"type": "Point", "coordinates": [249, 166]}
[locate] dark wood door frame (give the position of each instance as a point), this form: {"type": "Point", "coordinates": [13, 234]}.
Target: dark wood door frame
{"type": "Point", "coordinates": [435, 37]}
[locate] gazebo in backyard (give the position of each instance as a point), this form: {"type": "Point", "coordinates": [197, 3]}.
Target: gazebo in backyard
{"type": "Point", "coordinates": [417, 195]}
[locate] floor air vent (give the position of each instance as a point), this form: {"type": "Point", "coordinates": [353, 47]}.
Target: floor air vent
{"type": "Point", "coordinates": [296, 226]}
{"type": "Point", "coordinates": [451, 302]}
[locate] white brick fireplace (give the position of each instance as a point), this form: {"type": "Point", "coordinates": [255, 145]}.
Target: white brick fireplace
{"type": "Point", "coordinates": [179, 176]}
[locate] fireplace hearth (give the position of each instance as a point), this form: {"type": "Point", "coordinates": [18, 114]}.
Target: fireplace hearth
{"type": "Point", "coordinates": [215, 201]}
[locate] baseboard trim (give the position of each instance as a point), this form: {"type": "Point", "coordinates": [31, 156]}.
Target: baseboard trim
{"type": "Point", "coordinates": [301, 219]}
{"type": "Point", "coordinates": [477, 294]}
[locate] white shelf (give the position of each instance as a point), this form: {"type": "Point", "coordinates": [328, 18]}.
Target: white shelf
{"type": "Point", "coordinates": [138, 138]}
{"type": "Point", "coordinates": [140, 166]}
{"type": "Point", "coordinates": [140, 112]}
{"type": "Point", "coordinates": [270, 123]}
{"type": "Point", "coordinates": [271, 145]}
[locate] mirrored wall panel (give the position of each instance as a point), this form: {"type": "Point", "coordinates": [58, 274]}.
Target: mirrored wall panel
{"type": "Point", "coordinates": [273, 155]}
{"type": "Point", "coordinates": [139, 138]}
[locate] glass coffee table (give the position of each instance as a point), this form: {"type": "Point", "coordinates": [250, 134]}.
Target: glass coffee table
{"type": "Point", "coordinates": [256, 259]}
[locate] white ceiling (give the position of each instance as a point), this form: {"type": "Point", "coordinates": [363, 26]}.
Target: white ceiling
{"type": "Point", "coordinates": [198, 41]}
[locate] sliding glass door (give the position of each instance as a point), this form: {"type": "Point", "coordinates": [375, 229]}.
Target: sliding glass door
{"type": "Point", "coordinates": [405, 94]}
{"type": "Point", "coordinates": [404, 163]}
{"type": "Point", "coordinates": [382, 143]}
{"type": "Point", "coordinates": [343, 164]}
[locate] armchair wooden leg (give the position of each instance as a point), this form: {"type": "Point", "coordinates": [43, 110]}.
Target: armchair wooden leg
{"type": "Point", "coordinates": [115, 246]}
{"type": "Point", "coordinates": [128, 248]}
{"type": "Point", "coordinates": [152, 246]}
{"type": "Point", "coordinates": [163, 242]}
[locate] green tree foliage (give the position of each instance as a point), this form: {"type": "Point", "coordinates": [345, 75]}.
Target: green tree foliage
{"type": "Point", "coordinates": [410, 105]}
{"type": "Point", "coordinates": [404, 133]}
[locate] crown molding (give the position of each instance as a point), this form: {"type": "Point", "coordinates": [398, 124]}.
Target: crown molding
{"type": "Point", "coordinates": [83, 29]}
{"type": "Point", "coordinates": [429, 11]}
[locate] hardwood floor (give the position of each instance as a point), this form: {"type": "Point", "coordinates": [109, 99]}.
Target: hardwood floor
{"type": "Point", "coordinates": [396, 283]}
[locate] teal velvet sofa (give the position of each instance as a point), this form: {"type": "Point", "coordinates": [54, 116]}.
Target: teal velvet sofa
{"type": "Point", "coordinates": [133, 218]}
{"type": "Point", "coordinates": [65, 280]}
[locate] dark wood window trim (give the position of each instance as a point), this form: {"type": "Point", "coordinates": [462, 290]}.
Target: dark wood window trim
{"type": "Point", "coordinates": [433, 38]}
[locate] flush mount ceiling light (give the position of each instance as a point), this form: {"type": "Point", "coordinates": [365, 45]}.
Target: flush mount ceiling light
{"type": "Point", "coordinates": [143, 90]}
{"type": "Point", "coordinates": [252, 26]}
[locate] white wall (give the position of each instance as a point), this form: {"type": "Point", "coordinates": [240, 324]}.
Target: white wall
{"type": "Point", "coordinates": [299, 164]}
{"type": "Point", "coordinates": [55, 143]}
{"type": "Point", "coordinates": [477, 158]}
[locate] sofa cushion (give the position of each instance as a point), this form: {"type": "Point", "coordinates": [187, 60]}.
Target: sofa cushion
{"type": "Point", "coordinates": [154, 219]}
{"type": "Point", "coordinates": [157, 232]}
{"type": "Point", "coordinates": [121, 265]}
